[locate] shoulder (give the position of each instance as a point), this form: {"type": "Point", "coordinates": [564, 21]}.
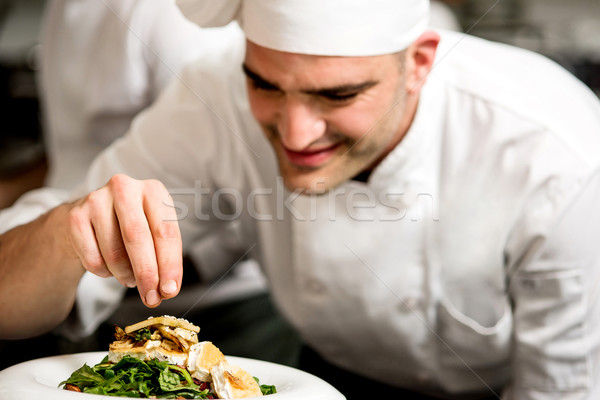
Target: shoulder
{"type": "Point", "coordinates": [217, 74]}
{"type": "Point", "coordinates": [517, 91]}
{"type": "Point", "coordinates": [519, 137]}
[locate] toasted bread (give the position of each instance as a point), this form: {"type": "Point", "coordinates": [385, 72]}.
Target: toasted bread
{"type": "Point", "coordinates": [163, 320]}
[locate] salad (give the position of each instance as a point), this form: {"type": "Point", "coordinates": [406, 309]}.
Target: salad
{"type": "Point", "coordinates": [161, 358]}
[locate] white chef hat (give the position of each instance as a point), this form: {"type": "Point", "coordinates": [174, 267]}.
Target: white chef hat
{"type": "Point", "coordinates": [318, 27]}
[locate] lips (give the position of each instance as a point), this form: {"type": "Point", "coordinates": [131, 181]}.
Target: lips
{"type": "Point", "coordinates": [311, 158]}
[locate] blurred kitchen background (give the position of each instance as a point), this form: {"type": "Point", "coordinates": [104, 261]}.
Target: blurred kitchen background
{"type": "Point", "coordinates": [22, 156]}
{"type": "Point", "coordinates": [567, 31]}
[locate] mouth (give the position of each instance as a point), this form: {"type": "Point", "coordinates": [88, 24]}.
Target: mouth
{"type": "Point", "coordinates": [311, 158]}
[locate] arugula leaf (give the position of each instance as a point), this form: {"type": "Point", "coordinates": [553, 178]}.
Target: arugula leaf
{"type": "Point", "coordinates": [184, 372]}
{"type": "Point", "coordinates": [265, 389]}
{"type": "Point", "coordinates": [168, 380]}
{"type": "Point", "coordinates": [268, 389]}
{"type": "Point", "coordinates": [84, 377]}
{"type": "Point", "coordinates": [131, 377]}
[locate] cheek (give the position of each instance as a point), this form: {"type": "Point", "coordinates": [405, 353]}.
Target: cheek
{"type": "Point", "coordinates": [378, 114]}
{"type": "Point", "coordinates": [355, 121]}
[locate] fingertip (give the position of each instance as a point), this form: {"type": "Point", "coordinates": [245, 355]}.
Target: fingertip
{"type": "Point", "coordinates": [169, 288]}
{"type": "Point", "coordinates": [152, 299]}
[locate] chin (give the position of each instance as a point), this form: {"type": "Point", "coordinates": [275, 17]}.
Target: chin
{"type": "Point", "coordinates": [314, 181]}
{"type": "Point", "coordinates": [309, 183]}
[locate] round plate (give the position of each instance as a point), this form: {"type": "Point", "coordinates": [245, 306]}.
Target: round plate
{"type": "Point", "coordinates": [39, 379]}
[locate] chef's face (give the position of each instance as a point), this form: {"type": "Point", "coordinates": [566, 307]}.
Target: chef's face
{"type": "Point", "coordinates": [328, 118]}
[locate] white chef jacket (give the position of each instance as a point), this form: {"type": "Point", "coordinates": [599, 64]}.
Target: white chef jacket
{"type": "Point", "coordinates": [467, 262]}
{"type": "Point", "coordinates": [102, 62]}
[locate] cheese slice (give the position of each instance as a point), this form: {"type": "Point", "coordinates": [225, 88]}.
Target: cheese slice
{"type": "Point", "coordinates": [149, 350]}
{"type": "Point", "coordinates": [201, 357]}
{"type": "Point", "coordinates": [233, 382]}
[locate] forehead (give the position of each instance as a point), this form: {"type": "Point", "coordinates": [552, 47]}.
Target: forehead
{"type": "Point", "coordinates": [293, 70]}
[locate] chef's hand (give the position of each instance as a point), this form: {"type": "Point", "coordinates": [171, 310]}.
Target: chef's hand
{"type": "Point", "coordinates": [128, 229]}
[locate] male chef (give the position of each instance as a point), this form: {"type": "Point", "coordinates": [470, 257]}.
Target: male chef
{"type": "Point", "coordinates": [423, 203]}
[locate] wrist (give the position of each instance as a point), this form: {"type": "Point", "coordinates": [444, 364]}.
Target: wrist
{"type": "Point", "coordinates": [55, 235]}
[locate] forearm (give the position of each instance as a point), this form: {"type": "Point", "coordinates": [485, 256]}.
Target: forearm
{"type": "Point", "coordinates": [38, 276]}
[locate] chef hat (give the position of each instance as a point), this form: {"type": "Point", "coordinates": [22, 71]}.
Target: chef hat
{"type": "Point", "coordinates": [318, 27]}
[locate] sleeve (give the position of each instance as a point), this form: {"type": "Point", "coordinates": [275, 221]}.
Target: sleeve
{"type": "Point", "coordinates": [173, 41]}
{"type": "Point", "coordinates": [179, 140]}
{"type": "Point", "coordinates": [170, 41]}
{"type": "Point", "coordinates": [159, 145]}
{"type": "Point", "coordinates": [30, 206]}
{"type": "Point", "coordinates": [556, 305]}
{"type": "Point", "coordinates": [182, 140]}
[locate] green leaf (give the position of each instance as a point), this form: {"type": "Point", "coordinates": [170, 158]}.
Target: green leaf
{"type": "Point", "coordinates": [83, 377]}
{"type": "Point", "coordinates": [177, 379]}
{"type": "Point", "coordinates": [141, 335]}
{"type": "Point", "coordinates": [109, 373]}
{"type": "Point", "coordinates": [131, 377]}
{"type": "Point", "coordinates": [184, 372]}
{"type": "Point", "coordinates": [268, 389]}
{"type": "Point", "coordinates": [168, 380]}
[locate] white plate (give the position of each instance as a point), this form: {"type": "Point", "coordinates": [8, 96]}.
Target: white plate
{"type": "Point", "coordinates": [39, 379]}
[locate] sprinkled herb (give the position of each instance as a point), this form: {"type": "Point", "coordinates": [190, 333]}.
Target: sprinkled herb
{"type": "Point", "coordinates": [142, 335]}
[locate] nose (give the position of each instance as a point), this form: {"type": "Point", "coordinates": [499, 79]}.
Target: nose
{"type": "Point", "coordinates": [300, 124]}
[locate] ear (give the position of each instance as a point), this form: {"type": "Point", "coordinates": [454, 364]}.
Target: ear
{"type": "Point", "coordinates": [419, 60]}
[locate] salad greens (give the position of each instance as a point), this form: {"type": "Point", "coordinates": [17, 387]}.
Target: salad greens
{"type": "Point", "coordinates": [265, 389]}
{"type": "Point", "coordinates": [131, 377]}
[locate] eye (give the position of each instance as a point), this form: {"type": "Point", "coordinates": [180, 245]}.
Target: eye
{"type": "Point", "coordinates": [342, 97]}
{"type": "Point", "coordinates": [265, 86]}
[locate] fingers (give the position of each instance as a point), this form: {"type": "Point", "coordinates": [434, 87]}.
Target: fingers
{"type": "Point", "coordinates": [152, 242]}
{"type": "Point", "coordinates": [128, 229]}
{"type": "Point", "coordinates": [167, 238]}
{"type": "Point", "coordinates": [108, 237]}
{"type": "Point", "coordinates": [83, 241]}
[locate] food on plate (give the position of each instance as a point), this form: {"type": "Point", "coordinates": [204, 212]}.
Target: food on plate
{"type": "Point", "coordinates": [232, 382]}
{"type": "Point", "coordinates": [161, 357]}
{"type": "Point", "coordinates": [202, 357]}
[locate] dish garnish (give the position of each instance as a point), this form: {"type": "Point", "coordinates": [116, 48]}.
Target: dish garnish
{"type": "Point", "coordinates": [162, 358]}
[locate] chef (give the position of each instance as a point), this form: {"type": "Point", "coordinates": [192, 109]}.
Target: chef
{"type": "Point", "coordinates": [424, 204]}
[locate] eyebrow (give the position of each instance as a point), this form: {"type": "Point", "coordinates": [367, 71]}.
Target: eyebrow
{"type": "Point", "coordinates": [257, 78]}
{"type": "Point", "coordinates": [330, 91]}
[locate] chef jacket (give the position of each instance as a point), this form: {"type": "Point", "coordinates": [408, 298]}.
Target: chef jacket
{"type": "Point", "coordinates": [102, 62]}
{"type": "Point", "coordinates": [466, 264]}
